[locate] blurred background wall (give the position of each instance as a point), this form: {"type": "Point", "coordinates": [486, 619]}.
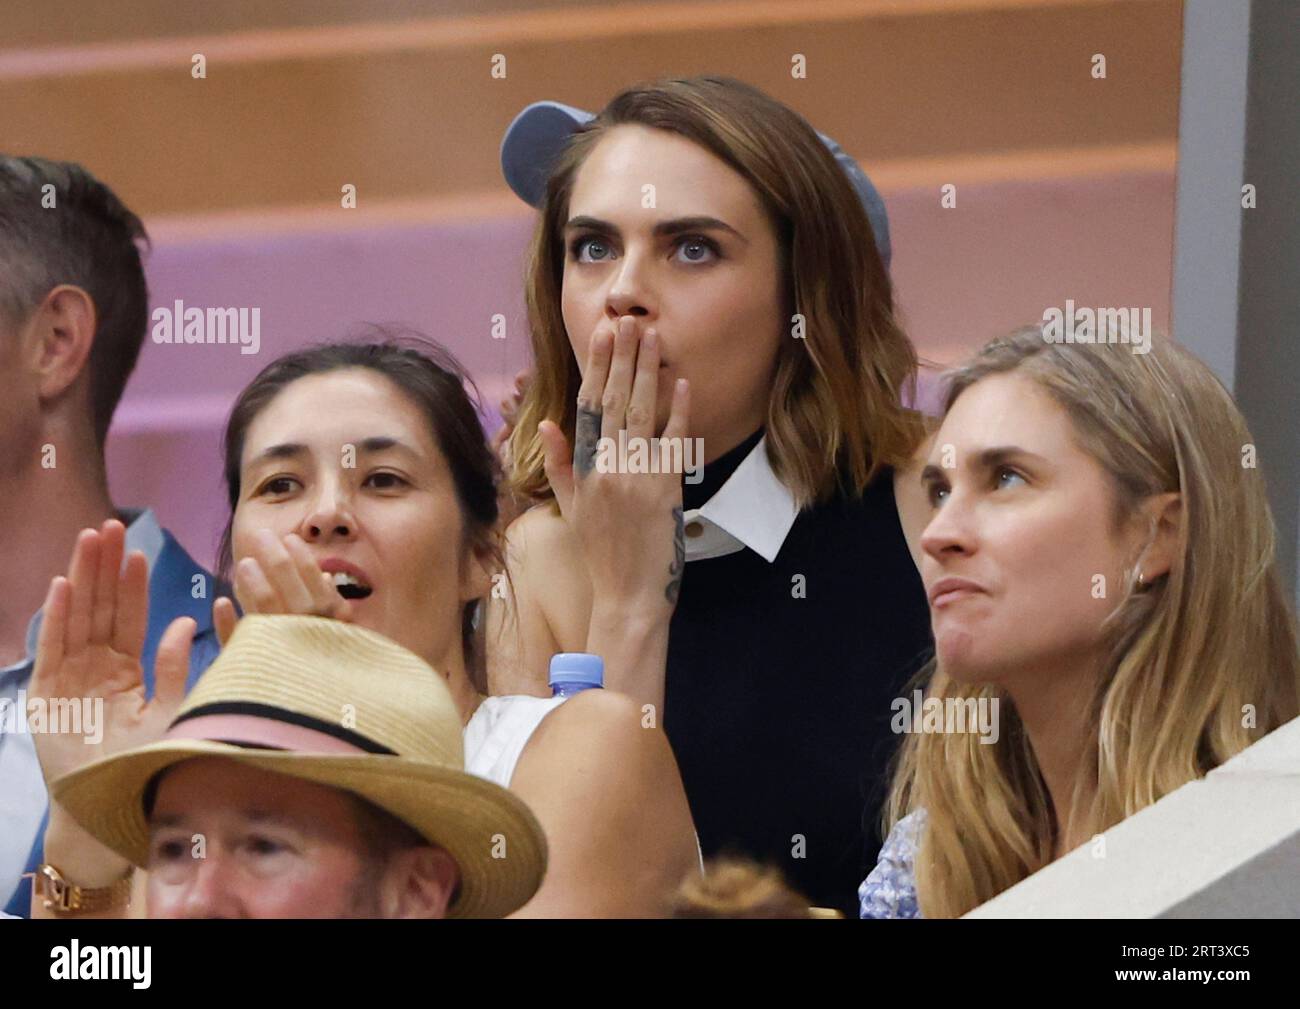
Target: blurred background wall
{"type": "Point", "coordinates": [1064, 180]}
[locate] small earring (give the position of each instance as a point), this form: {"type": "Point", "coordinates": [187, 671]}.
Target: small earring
{"type": "Point", "coordinates": [1140, 582]}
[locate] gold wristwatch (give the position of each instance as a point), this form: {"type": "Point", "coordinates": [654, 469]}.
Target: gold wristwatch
{"type": "Point", "coordinates": [64, 898]}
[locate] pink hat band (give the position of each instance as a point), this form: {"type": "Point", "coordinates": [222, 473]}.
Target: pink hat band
{"type": "Point", "coordinates": [263, 726]}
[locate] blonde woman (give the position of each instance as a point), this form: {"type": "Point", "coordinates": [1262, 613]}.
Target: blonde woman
{"type": "Point", "coordinates": [1100, 566]}
{"type": "Point", "coordinates": [765, 615]}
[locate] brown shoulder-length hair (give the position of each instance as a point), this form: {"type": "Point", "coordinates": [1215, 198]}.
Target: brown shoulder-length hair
{"type": "Point", "coordinates": [835, 415]}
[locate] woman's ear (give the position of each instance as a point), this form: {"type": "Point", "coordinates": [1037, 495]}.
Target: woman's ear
{"type": "Point", "coordinates": [478, 571]}
{"type": "Point", "coordinates": [1164, 520]}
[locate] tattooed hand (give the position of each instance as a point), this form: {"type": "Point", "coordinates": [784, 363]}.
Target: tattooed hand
{"type": "Point", "coordinates": [586, 438]}
{"type": "Point", "coordinates": [679, 561]}
{"type": "Point", "coordinates": [629, 523]}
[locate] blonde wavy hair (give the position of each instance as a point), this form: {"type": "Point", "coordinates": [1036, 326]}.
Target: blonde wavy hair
{"type": "Point", "coordinates": [835, 414]}
{"type": "Point", "coordinates": [1188, 656]}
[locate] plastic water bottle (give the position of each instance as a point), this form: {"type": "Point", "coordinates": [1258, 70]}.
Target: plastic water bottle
{"type": "Point", "coordinates": [574, 672]}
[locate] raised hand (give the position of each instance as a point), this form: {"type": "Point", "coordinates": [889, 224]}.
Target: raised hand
{"type": "Point", "coordinates": [280, 576]}
{"type": "Point", "coordinates": [629, 524]}
{"type": "Point", "coordinates": [88, 653]}
{"type": "Point", "coordinates": [510, 414]}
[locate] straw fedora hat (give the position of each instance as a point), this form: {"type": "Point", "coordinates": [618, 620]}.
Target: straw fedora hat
{"type": "Point", "coordinates": [331, 703]}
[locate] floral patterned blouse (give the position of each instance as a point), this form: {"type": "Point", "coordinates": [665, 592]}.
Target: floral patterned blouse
{"type": "Point", "coordinates": [890, 889]}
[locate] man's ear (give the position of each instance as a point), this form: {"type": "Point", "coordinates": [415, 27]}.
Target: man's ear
{"type": "Point", "coordinates": [60, 334]}
{"type": "Point", "coordinates": [1163, 516]}
{"type": "Point", "coordinates": [418, 883]}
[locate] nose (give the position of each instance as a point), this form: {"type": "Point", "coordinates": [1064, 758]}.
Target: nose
{"type": "Point", "coordinates": [210, 891]}
{"type": "Point", "coordinates": [951, 533]}
{"type": "Point", "coordinates": [329, 517]}
{"type": "Point", "coordinates": [630, 290]}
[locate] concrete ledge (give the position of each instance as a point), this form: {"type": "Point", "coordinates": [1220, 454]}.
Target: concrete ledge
{"type": "Point", "coordinates": [1227, 846]}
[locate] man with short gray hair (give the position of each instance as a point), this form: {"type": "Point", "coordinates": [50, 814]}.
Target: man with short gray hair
{"type": "Point", "coordinates": [74, 308]}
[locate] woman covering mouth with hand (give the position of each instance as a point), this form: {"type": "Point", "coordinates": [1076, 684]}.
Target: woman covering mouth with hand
{"type": "Point", "coordinates": [362, 487]}
{"type": "Point", "coordinates": [701, 249]}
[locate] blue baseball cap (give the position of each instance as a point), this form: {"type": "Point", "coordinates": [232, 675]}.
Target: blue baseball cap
{"type": "Point", "coordinates": [534, 140]}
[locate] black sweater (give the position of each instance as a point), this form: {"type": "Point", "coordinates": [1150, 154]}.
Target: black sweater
{"type": "Point", "coordinates": [777, 706]}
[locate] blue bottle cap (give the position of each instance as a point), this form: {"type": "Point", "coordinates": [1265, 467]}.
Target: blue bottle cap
{"type": "Point", "coordinates": [577, 667]}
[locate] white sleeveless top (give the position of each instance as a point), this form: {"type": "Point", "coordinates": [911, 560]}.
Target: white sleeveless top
{"type": "Point", "coordinates": [500, 729]}
{"type": "Point", "coordinates": [498, 732]}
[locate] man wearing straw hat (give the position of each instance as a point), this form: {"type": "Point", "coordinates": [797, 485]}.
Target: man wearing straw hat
{"type": "Point", "coordinates": [315, 770]}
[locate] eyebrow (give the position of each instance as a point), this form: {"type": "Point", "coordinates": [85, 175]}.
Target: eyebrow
{"type": "Point", "coordinates": [285, 450]}
{"type": "Point", "coordinates": [372, 445]}
{"type": "Point", "coordinates": [986, 459]}
{"type": "Point", "coordinates": [675, 226]}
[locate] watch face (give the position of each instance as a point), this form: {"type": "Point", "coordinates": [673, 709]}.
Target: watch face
{"type": "Point", "coordinates": [57, 894]}
{"type": "Point", "coordinates": [52, 887]}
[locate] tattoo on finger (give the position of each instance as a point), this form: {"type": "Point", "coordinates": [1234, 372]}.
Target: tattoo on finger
{"type": "Point", "coordinates": [586, 436]}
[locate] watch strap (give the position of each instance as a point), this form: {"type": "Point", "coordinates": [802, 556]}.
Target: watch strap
{"type": "Point", "coordinates": [56, 893]}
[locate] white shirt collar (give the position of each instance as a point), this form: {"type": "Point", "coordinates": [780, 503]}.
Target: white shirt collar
{"type": "Point", "coordinates": [752, 509]}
